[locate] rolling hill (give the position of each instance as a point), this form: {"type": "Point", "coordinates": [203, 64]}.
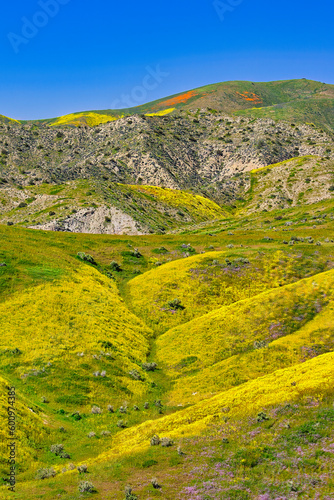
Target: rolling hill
{"type": "Point", "coordinates": [292, 100]}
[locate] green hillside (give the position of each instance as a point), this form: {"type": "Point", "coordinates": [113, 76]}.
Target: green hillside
{"type": "Point", "coordinates": [292, 100]}
{"type": "Point", "coordinates": [236, 313]}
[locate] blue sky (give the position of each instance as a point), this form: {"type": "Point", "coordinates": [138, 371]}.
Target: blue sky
{"type": "Point", "coordinates": [61, 56]}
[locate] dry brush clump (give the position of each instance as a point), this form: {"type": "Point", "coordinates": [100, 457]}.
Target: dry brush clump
{"type": "Point", "coordinates": [45, 473]}
{"type": "Point", "coordinates": [86, 487]}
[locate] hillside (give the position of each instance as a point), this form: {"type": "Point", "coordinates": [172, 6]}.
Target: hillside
{"type": "Point", "coordinates": [252, 313]}
{"type": "Point", "coordinates": [297, 100]}
{"type": "Point", "coordinates": [87, 179]}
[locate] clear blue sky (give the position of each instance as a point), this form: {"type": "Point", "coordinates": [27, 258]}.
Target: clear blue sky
{"type": "Point", "coordinates": [86, 54]}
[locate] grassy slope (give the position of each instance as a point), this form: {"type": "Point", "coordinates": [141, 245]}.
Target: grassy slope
{"type": "Point", "coordinates": [250, 338]}
{"type": "Point", "coordinates": [5, 119]}
{"type": "Point", "coordinates": [61, 317]}
{"type": "Point", "coordinates": [289, 454]}
{"type": "Point", "coordinates": [31, 428]}
{"type": "Point", "coordinates": [78, 119]}
{"type": "Point", "coordinates": [197, 206]}
{"type": "Point", "coordinates": [205, 282]}
{"type": "Point", "coordinates": [310, 377]}
{"type": "Point", "coordinates": [41, 267]}
{"type": "Point", "coordinates": [314, 110]}
{"type": "Point", "coordinates": [231, 97]}
{"type": "Point", "coordinates": [315, 337]}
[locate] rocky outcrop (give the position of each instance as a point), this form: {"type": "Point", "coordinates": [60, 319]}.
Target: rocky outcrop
{"type": "Point", "coordinates": [102, 220]}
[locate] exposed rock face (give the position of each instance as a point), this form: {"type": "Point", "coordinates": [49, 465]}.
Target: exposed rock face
{"type": "Point", "coordinates": [187, 150]}
{"type": "Point", "coordinates": [101, 220]}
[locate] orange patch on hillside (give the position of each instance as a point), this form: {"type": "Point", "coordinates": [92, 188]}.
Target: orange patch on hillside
{"type": "Point", "coordinates": [176, 100]}
{"type": "Point", "coordinates": [249, 96]}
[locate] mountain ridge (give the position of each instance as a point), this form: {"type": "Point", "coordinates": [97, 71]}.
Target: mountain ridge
{"type": "Point", "coordinates": [230, 97]}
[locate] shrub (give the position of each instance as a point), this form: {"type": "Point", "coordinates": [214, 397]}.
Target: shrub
{"type": "Point", "coordinates": [121, 424]}
{"type": "Point", "coordinates": [160, 251]}
{"type": "Point", "coordinates": [91, 434]}
{"type": "Point", "coordinates": [105, 433]}
{"type": "Point", "coordinates": [114, 266]}
{"type": "Point", "coordinates": [188, 248]}
{"type": "Point", "coordinates": [86, 487]}
{"type": "Point", "coordinates": [135, 375]}
{"type": "Point", "coordinates": [123, 409]}
{"type": "Point", "coordinates": [76, 415]}
{"type": "Point", "coordinates": [110, 409]}
{"type": "Point", "coordinates": [149, 367]}
{"type": "Point", "coordinates": [262, 417]}
{"type": "Point", "coordinates": [82, 469]}
{"type": "Point", "coordinates": [96, 410]}
{"type": "Point", "coordinates": [155, 484]}
{"type": "Point", "coordinates": [107, 345]}
{"type": "Point", "coordinates": [57, 449]}
{"type": "Point", "coordinates": [45, 473]}
{"type": "Point", "coordinates": [175, 305]}
{"type": "Point", "coordinates": [87, 258]}
{"type": "Point", "coordinates": [129, 495]}
{"type": "Point", "coordinates": [166, 442]}
{"type": "Point", "coordinates": [155, 440]}
{"type": "Point", "coordinates": [146, 405]}
{"type": "Point", "coordinates": [136, 253]}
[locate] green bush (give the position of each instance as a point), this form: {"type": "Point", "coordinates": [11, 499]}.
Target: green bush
{"type": "Point", "coordinates": [175, 305]}
{"type": "Point", "coordinates": [114, 266]}
{"type": "Point", "coordinates": [87, 258]}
